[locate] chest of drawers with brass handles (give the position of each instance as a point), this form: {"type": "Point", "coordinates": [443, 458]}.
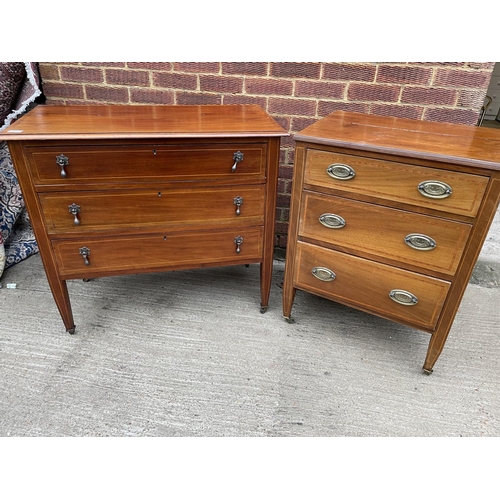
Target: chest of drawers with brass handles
{"type": "Point", "coordinates": [389, 216]}
{"type": "Point", "coordinates": [116, 190]}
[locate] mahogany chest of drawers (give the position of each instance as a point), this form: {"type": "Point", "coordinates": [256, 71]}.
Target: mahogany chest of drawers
{"type": "Point", "coordinates": [389, 216]}
{"type": "Point", "coordinates": [114, 190]}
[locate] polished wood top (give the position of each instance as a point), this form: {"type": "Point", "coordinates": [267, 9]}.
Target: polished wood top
{"type": "Point", "coordinates": [443, 142]}
{"type": "Point", "coordinates": [136, 122]}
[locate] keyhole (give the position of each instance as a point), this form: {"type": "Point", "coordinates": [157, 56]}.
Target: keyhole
{"type": "Point", "coordinates": [154, 151]}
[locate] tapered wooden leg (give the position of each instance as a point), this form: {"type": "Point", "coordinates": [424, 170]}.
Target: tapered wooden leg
{"type": "Point", "coordinates": [435, 348]}
{"type": "Point", "coordinates": [266, 271]}
{"type": "Point", "coordinates": [288, 298]}
{"type": "Point", "coordinates": [61, 298]}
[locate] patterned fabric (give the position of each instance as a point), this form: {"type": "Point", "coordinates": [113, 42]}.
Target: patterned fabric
{"type": "Point", "coordinates": [16, 232]}
{"type": "Point", "coordinates": [20, 88]}
{"type": "Point", "coordinates": [11, 78]}
{"type": "Point", "coordinates": [18, 93]}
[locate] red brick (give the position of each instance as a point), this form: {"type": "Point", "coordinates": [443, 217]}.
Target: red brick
{"type": "Point", "coordinates": [292, 106]}
{"type": "Point", "coordinates": [462, 78]}
{"type": "Point", "coordinates": [283, 121]}
{"type": "Point", "coordinates": [197, 98]}
{"type": "Point", "coordinates": [481, 65]}
{"type": "Point", "coordinates": [287, 142]}
{"type": "Point", "coordinates": [158, 66]}
{"type": "Point", "coordinates": [268, 86]}
{"type": "Point", "coordinates": [281, 227]}
{"type": "Point", "coordinates": [175, 81]}
{"type": "Point", "coordinates": [350, 72]}
{"type": "Point", "coordinates": [48, 71]}
{"type": "Point", "coordinates": [426, 95]}
{"type": "Point", "coordinates": [327, 107]}
{"type": "Point", "coordinates": [465, 117]}
{"type": "Point", "coordinates": [296, 69]}
{"type": "Point", "coordinates": [299, 124]}
{"type": "Point", "coordinates": [286, 172]}
{"type": "Point", "coordinates": [244, 99]}
{"type": "Point", "coordinates": [245, 68]}
{"type": "Point", "coordinates": [283, 200]}
{"type": "Point", "coordinates": [80, 74]}
{"type": "Point", "coordinates": [105, 94]}
{"type": "Point", "coordinates": [104, 64]}
{"type": "Point", "coordinates": [414, 112]}
{"type": "Point", "coordinates": [150, 96]}
{"type": "Point", "coordinates": [223, 84]}
{"type": "Point", "coordinates": [282, 241]}
{"type": "Point", "coordinates": [304, 88]}
{"type": "Point", "coordinates": [68, 90]}
{"type": "Point", "coordinates": [417, 75]}
{"type": "Point", "coordinates": [471, 98]}
{"type": "Point", "coordinates": [197, 67]}
{"type": "Point", "coordinates": [127, 77]}
{"type": "Point", "coordinates": [284, 186]}
{"type": "Point", "coordinates": [373, 92]}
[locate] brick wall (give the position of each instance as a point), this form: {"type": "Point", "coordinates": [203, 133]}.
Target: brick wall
{"type": "Point", "coordinates": [295, 94]}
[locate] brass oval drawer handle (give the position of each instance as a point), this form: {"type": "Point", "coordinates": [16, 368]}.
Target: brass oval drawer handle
{"type": "Point", "coordinates": [62, 161]}
{"type": "Point", "coordinates": [323, 273]}
{"type": "Point", "coordinates": [420, 242]}
{"type": "Point", "coordinates": [332, 221]}
{"type": "Point", "coordinates": [435, 189]}
{"type": "Point", "coordinates": [403, 297]}
{"type": "Point", "coordinates": [340, 171]}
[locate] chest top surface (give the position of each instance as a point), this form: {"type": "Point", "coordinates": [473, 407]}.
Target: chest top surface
{"type": "Point", "coordinates": [445, 142]}
{"type": "Point", "coordinates": [47, 122]}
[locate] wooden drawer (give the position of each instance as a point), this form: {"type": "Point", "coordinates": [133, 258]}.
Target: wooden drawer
{"type": "Point", "coordinates": [398, 182]}
{"type": "Point", "coordinates": [367, 285]}
{"type": "Point", "coordinates": [163, 251]}
{"type": "Point", "coordinates": [143, 163]}
{"type": "Point", "coordinates": [105, 210]}
{"type": "Point", "coordinates": [381, 232]}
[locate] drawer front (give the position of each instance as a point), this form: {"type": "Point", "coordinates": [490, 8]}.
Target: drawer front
{"type": "Point", "coordinates": [84, 211]}
{"type": "Point", "coordinates": [406, 237]}
{"type": "Point", "coordinates": [397, 182]}
{"type": "Point", "coordinates": [68, 164]}
{"type": "Point", "coordinates": [366, 284]}
{"type": "Point", "coordinates": [163, 251]}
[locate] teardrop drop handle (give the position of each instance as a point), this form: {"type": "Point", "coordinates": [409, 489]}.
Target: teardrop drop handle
{"type": "Point", "coordinates": [238, 201]}
{"type": "Point", "coordinates": [237, 157]}
{"type": "Point", "coordinates": [62, 161]}
{"type": "Point", "coordinates": [75, 209]}
{"type": "Point", "coordinates": [85, 252]}
{"type": "Point", "coordinates": [238, 241]}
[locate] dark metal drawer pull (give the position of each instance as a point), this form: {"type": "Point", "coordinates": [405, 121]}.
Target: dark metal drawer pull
{"type": "Point", "coordinates": [62, 161]}
{"type": "Point", "coordinates": [340, 171]}
{"type": "Point", "coordinates": [420, 242]}
{"type": "Point", "coordinates": [85, 252]}
{"type": "Point", "coordinates": [332, 221]}
{"type": "Point", "coordinates": [238, 242]}
{"type": "Point", "coordinates": [74, 209]}
{"type": "Point", "coordinates": [435, 189]}
{"type": "Point", "coordinates": [238, 201]}
{"type": "Point", "coordinates": [237, 157]}
{"type": "Point", "coordinates": [403, 297]}
{"type": "Point", "coordinates": [323, 273]}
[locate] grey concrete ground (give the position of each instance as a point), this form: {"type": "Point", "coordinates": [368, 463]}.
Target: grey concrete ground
{"type": "Point", "coordinates": [189, 354]}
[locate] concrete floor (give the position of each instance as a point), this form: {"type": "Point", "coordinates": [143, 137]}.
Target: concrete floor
{"type": "Point", "coordinates": [189, 354]}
